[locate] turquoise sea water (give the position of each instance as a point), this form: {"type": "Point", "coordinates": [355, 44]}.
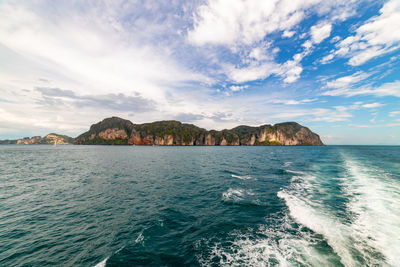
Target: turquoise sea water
{"type": "Point", "coordinates": [199, 206]}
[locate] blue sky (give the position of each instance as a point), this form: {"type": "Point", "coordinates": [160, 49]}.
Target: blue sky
{"type": "Point", "coordinates": [333, 66]}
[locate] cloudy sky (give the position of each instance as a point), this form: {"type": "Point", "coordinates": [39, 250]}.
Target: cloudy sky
{"type": "Point", "coordinates": [333, 66]}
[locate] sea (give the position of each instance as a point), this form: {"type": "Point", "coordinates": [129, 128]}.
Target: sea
{"type": "Point", "coordinates": [99, 206]}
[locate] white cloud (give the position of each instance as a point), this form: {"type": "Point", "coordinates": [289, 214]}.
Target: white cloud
{"type": "Point", "coordinates": [292, 101]}
{"type": "Point", "coordinates": [227, 22]}
{"type": "Point", "coordinates": [357, 105]}
{"type": "Point", "coordinates": [307, 44]}
{"type": "Point", "coordinates": [288, 34]}
{"type": "Point", "coordinates": [394, 113]}
{"type": "Point", "coordinates": [386, 89]}
{"type": "Point", "coordinates": [372, 105]}
{"type": "Point", "coordinates": [320, 32]}
{"type": "Point", "coordinates": [377, 36]}
{"type": "Point", "coordinates": [261, 53]}
{"type": "Point", "coordinates": [328, 115]}
{"type": "Point", "coordinates": [327, 58]}
{"type": "Point", "coordinates": [376, 125]}
{"type": "Point", "coordinates": [291, 70]}
{"type": "Point", "coordinates": [253, 72]}
{"type": "Point", "coordinates": [335, 39]}
{"type": "Point", "coordinates": [346, 81]}
{"type": "Point", "coordinates": [236, 88]}
{"type": "Point", "coordinates": [315, 114]}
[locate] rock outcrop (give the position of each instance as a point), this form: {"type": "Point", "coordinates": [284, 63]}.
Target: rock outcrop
{"type": "Point", "coordinates": [117, 131]}
{"type": "Point", "coordinates": [48, 139]}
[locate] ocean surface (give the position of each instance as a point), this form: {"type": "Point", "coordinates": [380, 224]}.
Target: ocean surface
{"type": "Point", "coordinates": [199, 206]}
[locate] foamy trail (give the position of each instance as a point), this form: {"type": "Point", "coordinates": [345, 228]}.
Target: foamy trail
{"type": "Point", "coordinates": [370, 234]}
{"type": "Point", "coordinates": [375, 204]}
{"type": "Point", "coordinates": [283, 244]}
{"type": "Point", "coordinates": [362, 226]}
{"type": "Point", "coordinates": [310, 212]}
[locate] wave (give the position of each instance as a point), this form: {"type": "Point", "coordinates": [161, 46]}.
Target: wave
{"type": "Point", "coordinates": [245, 177]}
{"type": "Point", "coordinates": [242, 197]}
{"type": "Point", "coordinates": [236, 194]}
{"type": "Point", "coordinates": [287, 163]}
{"type": "Point", "coordinates": [140, 238]}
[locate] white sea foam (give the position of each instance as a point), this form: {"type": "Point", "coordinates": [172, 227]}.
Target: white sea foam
{"type": "Point", "coordinates": [245, 177]}
{"type": "Point", "coordinates": [282, 245]}
{"type": "Point", "coordinates": [372, 232]}
{"type": "Point", "coordinates": [375, 202]}
{"type": "Point", "coordinates": [306, 213]}
{"type": "Point", "coordinates": [241, 196]}
{"type": "Point", "coordinates": [287, 163]}
{"type": "Point", "coordinates": [366, 233]}
{"type": "Point", "coordinates": [102, 263]}
{"type": "Point", "coordinates": [233, 194]}
{"type": "Point", "coordinates": [311, 213]}
{"type": "Point", "coordinates": [140, 238]}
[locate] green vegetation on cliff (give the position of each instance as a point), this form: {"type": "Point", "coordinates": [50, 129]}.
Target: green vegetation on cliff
{"type": "Point", "coordinates": [174, 128]}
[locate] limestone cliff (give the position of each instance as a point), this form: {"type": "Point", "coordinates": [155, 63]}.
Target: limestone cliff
{"type": "Point", "coordinates": [48, 139]}
{"type": "Point", "coordinates": [117, 131]}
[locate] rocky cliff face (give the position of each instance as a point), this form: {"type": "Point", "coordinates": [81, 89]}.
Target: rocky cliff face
{"type": "Point", "coordinates": [117, 131]}
{"type": "Point", "coordinates": [48, 139]}
{"type": "Point", "coordinates": [58, 139]}
{"type": "Point", "coordinates": [29, 141]}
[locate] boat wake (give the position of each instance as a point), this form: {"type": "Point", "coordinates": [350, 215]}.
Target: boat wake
{"type": "Point", "coordinates": [283, 243]}
{"type": "Point", "coordinates": [350, 217]}
{"type": "Point", "coordinates": [369, 233]}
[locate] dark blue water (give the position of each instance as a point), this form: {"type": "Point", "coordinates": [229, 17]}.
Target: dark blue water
{"type": "Point", "coordinates": [199, 206]}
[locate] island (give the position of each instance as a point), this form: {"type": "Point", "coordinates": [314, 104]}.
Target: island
{"type": "Point", "coordinates": [118, 131]}
{"type": "Point", "coordinates": [49, 139]}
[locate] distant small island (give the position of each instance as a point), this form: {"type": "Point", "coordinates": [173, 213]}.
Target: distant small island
{"type": "Point", "coordinates": [117, 131]}
{"type": "Point", "coordinates": [49, 139]}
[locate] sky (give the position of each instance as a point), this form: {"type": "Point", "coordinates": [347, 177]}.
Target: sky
{"type": "Point", "coordinates": [333, 66]}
